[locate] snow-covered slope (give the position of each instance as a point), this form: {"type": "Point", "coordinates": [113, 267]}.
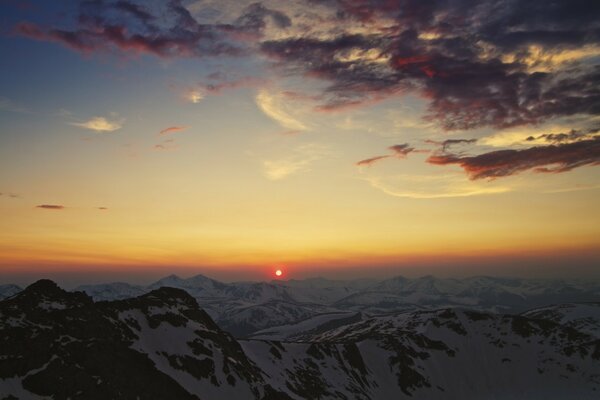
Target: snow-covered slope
{"type": "Point", "coordinates": [442, 354]}
{"type": "Point", "coordinates": [585, 317]}
{"type": "Point", "coordinates": [310, 326]}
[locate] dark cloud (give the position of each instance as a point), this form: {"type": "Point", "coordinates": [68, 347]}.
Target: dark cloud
{"type": "Point", "coordinates": [253, 20]}
{"type": "Point", "coordinates": [170, 31]}
{"type": "Point", "coordinates": [550, 159]}
{"type": "Point", "coordinates": [446, 144]}
{"type": "Point", "coordinates": [399, 150]}
{"type": "Point", "coordinates": [50, 207]}
{"type": "Point", "coordinates": [138, 11]}
{"type": "Point", "coordinates": [474, 64]}
{"type": "Point", "coordinates": [102, 208]}
{"type": "Point", "coordinates": [571, 136]}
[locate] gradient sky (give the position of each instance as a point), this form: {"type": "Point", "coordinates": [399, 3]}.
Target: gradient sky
{"type": "Point", "coordinates": [331, 137]}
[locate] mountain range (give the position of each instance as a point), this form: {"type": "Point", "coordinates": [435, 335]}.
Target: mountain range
{"type": "Point", "coordinates": [244, 308]}
{"type": "Point", "coordinates": [161, 344]}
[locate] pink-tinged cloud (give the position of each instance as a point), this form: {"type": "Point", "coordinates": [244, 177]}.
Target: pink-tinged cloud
{"type": "Point", "coordinates": [166, 31]}
{"type": "Point", "coordinates": [399, 150]}
{"type": "Point", "coordinates": [173, 129]}
{"type": "Point", "coordinates": [370, 161]}
{"type": "Point", "coordinates": [168, 144]}
{"type": "Point", "coordinates": [548, 159]}
{"type": "Point", "coordinates": [50, 207]}
{"type": "Point", "coordinates": [98, 32]}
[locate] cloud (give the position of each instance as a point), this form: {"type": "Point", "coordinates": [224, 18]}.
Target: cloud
{"type": "Point", "coordinates": [446, 144]}
{"type": "Point", "coordinates": [102, 208]}
{"type": "Point", "coordinates": [50, 207]}
{"type": "Point", "coordinates": [399, 150]}
{"type": "Point", "coordinates": [299, 160]}
{"type": "Point", "coordinates": [164, 29]}
{"type": "Point", "coordinates": [194, 96]}
{"type": "Point", "coordinates": [370, 161]}
{"type": "Point", "coordinates": [456, 56]}
{"type": "Point", "coordinates": [554, 158]}
{"type": "Point", "coordinates": [253, 21]}
{"type": "Point", "coordinates": [100, 124]}
{"type": "Point", "coordinates": [431, 186]}
{"type": "Point", "coordinates": [173, 129]}
{"type": "Point", "coordinates": [168, 144]}
{"type": "Point", "coordinates": [476, 64]}
{"type": "Point", "coordinates": [274, 106]}
{"type": "Point", "coordinates": [564, 137]}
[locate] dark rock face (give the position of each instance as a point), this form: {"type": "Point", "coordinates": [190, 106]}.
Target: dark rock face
{"type": "Point", "coordinates": [161, 345]}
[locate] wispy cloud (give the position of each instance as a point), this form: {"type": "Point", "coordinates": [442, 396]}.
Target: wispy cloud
{"type": "Point", "coordinates": [370, 161]}
{"type": "Point", "coordinates": [194, 96]}
{"type": "Point", "coordinates": [399, 151]}
{"type": "Point", "coordinates": [274, 106]}
{"type": "Point", "coordinates": [50, 206]}
{"type": "Point", "coordinates": [168, 144]}
{"type": "Point", "coordinates": [299, 160]}
{"type": "Point", "coordinates": [173, 129]}
{"type": "Point", "coordinates": [100, 124]}
{"type": "Point", "coordinates": [431, 186]}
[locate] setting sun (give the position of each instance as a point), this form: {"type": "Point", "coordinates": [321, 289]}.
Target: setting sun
{"type": "Point", "coordinates": [278, 272]}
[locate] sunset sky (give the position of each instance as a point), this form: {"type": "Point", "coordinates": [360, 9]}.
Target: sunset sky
{"type": "Point", "coordinates": [329, 137]}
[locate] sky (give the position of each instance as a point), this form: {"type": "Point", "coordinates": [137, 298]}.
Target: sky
{"type": "Point", "coordinates": [340, 138]}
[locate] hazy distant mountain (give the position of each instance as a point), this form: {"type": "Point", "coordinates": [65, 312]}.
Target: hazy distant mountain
{"type": "Point", "coordinates": [162, 345]}
{"type": "Point", "coordinates": [244, 308]}
{"type": "Point", "coordinates": [247, 307]}
{"type": "Point", "coordinates": [112, 291]}
{"type": "Point", "coordinates": [8, 290]}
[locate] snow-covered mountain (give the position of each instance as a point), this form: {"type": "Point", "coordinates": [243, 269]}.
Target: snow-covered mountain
{"type": "Point", "coordinates": [8, 290]}
{"type": "Point", "coordinates": [244, 308]}
{"type": "Point", "coordinates": [585, 317]}
{"type": "Point", "coordinates": [59, 344]}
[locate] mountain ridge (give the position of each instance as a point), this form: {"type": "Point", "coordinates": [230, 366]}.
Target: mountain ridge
{"type": "Point", "coordinates": [166, 342]}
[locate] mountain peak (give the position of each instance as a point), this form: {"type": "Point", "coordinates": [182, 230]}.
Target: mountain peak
{"type": "Point", "coordinates": [51, 295]}
{"type": "Point", "coordinates": [44, 285]}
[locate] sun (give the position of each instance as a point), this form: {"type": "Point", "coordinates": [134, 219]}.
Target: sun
{"type": "Point", "coordinates": [278, 272]}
